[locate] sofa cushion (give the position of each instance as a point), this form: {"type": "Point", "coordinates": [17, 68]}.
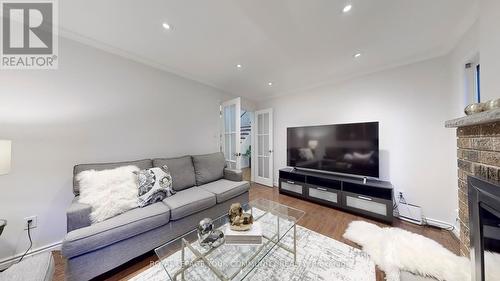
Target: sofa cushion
{"type": "Point", "coordinates": [226, 189]}
{"type": "Point", "coordinates": [181, 170]}
{"type": "Point", "coordinates": [121, 227]}
{"type": "Point", "coordinates": [189, 201]}
{"type": "Point", "coordinates": [209, 167]}
{"type": "Point", "coordinates": [141, 164]}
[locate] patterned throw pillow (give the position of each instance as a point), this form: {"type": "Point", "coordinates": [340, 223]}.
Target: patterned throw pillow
{"type": "Point", "coordinates": [155, 184]}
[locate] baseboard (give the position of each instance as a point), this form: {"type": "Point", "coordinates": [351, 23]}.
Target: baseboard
{"type": "Point", "coordinates": [5, 263]}
{"type": "Point", "coordinates": [439, 224]}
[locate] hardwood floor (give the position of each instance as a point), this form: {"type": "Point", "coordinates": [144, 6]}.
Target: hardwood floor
{"type": "Point", "coordinates": [324, 220]}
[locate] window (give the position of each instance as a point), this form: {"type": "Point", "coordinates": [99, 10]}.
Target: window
{"type": "Point", "coordinates": [478, 83]}
{"type": "Point", "coordinates": [473, 81]}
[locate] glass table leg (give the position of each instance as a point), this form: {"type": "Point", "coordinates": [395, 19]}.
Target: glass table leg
{"type": "Point", "coordinates": [295, 244]}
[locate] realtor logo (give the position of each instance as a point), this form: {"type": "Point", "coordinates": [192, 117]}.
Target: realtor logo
{"type": "Point", "coordinates": [29, 35]}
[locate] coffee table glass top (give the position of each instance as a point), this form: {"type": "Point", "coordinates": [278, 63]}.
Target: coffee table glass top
{"type": "Point", "coordinates": [185, 259]}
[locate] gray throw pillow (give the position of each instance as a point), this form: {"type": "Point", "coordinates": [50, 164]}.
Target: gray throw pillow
{"type": "Point", "coordinates": [209, 167]}
{"type": "Point", "coordinates": [154, 184]}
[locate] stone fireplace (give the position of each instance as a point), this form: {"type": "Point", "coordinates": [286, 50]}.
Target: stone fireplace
{"type": "Point", "coordinates": [478, 153]}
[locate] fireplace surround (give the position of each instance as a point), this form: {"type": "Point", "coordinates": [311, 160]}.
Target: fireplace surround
{"type": "Point", "coordinates": [484, 208]}
{"type": "Point", "coordinates": [478, 155]}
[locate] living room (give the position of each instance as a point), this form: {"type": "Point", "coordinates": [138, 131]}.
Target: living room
{"type": "Point", "coordinates": [257, 107]}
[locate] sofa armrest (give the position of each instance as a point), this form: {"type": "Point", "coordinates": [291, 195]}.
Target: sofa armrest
{"type": "Point", "coordinates": [78, 215]}
{"type": "Point", "coordinates": [233, 175]}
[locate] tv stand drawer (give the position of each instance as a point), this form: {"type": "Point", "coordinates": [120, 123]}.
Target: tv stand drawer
{"type": "Point", "coordinates": [368, 205]}
{"type": "Point", "coordinates": [292, 186]}
{"type": "Point", "coordinates": [324, 195]}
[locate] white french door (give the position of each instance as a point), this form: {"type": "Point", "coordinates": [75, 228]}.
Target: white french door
{"type": "Point", "coordinates": [231, 133]}
{"type": "Point", "coordinates": [263, 162]}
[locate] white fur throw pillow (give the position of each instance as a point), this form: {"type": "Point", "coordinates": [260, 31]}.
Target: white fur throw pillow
{"type": "Point", "coordinates": [109, 192]}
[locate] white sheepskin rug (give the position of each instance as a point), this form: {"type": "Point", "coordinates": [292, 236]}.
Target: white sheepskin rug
{"type": "Point", "coordinates": [109, 192]}
{"type": "Point", "coordinates": [395, 250]}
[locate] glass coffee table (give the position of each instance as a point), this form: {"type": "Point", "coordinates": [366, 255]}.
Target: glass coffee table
{"type": "Point", "coordinates": [185, 259]}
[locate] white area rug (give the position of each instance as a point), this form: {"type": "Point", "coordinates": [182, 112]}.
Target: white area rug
{"type": "Point", "coordinates": [319, 258]}
{"type": "Point", "coordinates": [395, 250]}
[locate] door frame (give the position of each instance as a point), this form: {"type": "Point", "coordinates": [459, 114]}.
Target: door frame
{"type": "Point", "coordinates": [254, 171]}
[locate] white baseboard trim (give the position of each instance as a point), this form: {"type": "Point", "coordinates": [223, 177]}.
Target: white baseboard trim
{"type": "Point", "coordinates": [439, 224]}
{"type": "Point", "coordinates": [5, 263]}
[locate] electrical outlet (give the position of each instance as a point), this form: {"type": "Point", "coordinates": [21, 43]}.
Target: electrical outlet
{"type": "Point", "coordinates": [401, 195]}
{"type": "Point", "coordinates": [31, 222]}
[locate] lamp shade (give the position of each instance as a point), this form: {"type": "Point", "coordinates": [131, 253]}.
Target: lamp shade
{"type": "Point", "coordinates": [5, 156]}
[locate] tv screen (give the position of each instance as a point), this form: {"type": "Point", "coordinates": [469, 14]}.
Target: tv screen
{"type": "Point", "coordinates": [344, 148]}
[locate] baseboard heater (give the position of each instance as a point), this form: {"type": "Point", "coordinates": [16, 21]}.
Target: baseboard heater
{"type": "Point", "coordinates": [410, 213]}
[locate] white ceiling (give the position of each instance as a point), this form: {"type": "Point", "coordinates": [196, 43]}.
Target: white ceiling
{"type": "Point", "coordinates": [296, 44]}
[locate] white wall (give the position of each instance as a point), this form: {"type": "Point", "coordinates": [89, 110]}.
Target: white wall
{"type": "Point", "coordinates": [95, 107]}
{"type": "Point", "coordinates": [490, 49]}
{"type": "Point", "coordinates": [411, 103]}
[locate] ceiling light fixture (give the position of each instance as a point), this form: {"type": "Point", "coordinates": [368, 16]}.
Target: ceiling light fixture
{"type": "Point", "coordinates": [239, 66]}
{"type": "Point", "coordinates": [270, 83]}
{"type": "Point", "coordinates": [347, 8]}
{"type": "Point", "coordinates": [357, 55]}
{"type": "Point", "coordinates": [166, 26]}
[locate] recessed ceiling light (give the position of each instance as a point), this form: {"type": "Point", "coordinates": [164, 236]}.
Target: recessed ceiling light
{"type": "Point", "coordinates": [270, 83]}
{"type": "Point", "coordinates": [166, 26]}
{"type": "Point", "coordinates": [239, 66]}
{"type": "Point", "coordinates": [357, 55]}
{"type": "Point", "coordinates": [347, 8]}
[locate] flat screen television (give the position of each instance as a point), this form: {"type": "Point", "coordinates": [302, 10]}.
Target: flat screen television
{"type": "Point", "coordinates": [342, 148]}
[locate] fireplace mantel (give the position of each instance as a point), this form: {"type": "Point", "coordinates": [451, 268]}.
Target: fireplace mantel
{"type": "Point", "coordinates": [475, 119]}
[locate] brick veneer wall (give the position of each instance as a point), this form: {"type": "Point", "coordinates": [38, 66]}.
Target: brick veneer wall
{"type": "Point", "coordinates": [479, 155]}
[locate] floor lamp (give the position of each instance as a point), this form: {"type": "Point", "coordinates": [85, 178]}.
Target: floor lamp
{"type": "Point", "coordinates": [5, 159]}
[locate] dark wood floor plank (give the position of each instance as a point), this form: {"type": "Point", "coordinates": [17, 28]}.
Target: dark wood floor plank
{"type": "Point", "coordinates": [324, 220]}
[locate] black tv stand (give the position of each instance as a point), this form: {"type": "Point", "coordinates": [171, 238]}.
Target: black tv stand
{"type": "Point", "coordinates": [369, 197]}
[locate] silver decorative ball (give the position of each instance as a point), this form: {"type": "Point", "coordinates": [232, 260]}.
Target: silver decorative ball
{"type": "Point", "coordinates": [492, 104]}
{"type": "Point", "coordinates": [474, 108]}
{"type": "Point", "coordinates": [205, 228]}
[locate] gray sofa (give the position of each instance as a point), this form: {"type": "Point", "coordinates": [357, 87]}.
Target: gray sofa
{"type": "Point", "coordinates": [204, 189]}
